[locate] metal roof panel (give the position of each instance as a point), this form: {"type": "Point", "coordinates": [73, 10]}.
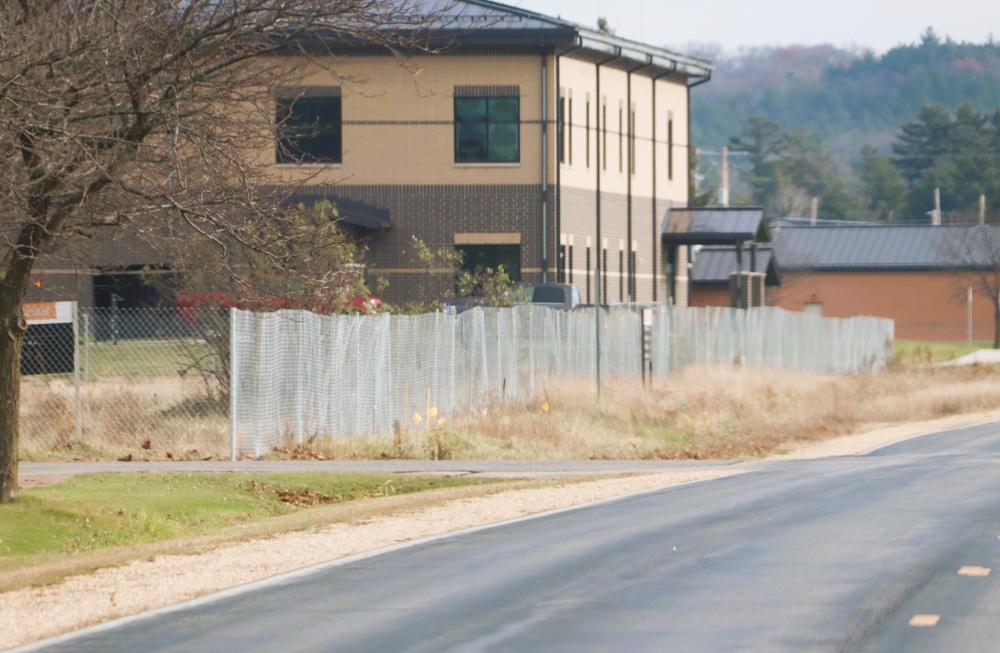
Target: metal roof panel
{"type": "Point", "coordinates": [714, 265]}
{"type": "Point", "coordinates": [867, 246]}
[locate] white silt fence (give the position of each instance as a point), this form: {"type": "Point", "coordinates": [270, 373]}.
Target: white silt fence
{"type": "Point", "coordinates": [768, 337]}
{"type": "Point", "coordinates": [297, 375]}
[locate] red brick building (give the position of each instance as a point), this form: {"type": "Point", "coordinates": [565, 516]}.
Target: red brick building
{"type": "Point", "coordinates": [913, 274]}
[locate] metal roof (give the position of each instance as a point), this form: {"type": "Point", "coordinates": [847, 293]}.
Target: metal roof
{"type": "Point", "coordinates": [715, 264]}
{"type": "Point", "coordinates": [874, 247]}
{"type": "Point", "coordinates": [714, 226]}
{"type": "Point", "coordinates": [485, 23]}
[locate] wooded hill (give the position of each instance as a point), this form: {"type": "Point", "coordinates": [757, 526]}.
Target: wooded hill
{"type": "Point", "coordinates": [847, 98]}
{"type": "Point", "coordinates": [846, 101]}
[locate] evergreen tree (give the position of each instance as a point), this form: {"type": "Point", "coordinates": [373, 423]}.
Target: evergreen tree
{"type": "Point", "coordinates": [883, 187]}
{"type": "Point", "coordinates": [921, 142]}
{"type": "Point", "coordinates": [956, 154]}
{"type": "Point", "coordinates": [810, 167]}
{"type": "Point", "coordinates": [705, 198]}
{"type": "Point", "coordinates": [787, 170]}
{"type": "Point", "coordinates": [763, 144]}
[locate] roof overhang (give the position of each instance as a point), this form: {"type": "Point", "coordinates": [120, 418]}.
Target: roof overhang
{"type": "Point", "coordinates": [352, 214]}
{"type": "Point", "coordinates": [715, 226]}
{"type": "Point", "coordinates": [482, 23]}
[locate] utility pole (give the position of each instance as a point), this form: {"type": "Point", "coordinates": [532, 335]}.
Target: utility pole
{"type": "Point", "coordinates": [597, 329]}
{"type": "Point", "coordinates": [936, 216]}
{"type": "Point", "coordinates": [968, 301]}
{"type": "Point", "coordinates": [982, 210]}
{"type": "Point", "coordinates": [724, 184]}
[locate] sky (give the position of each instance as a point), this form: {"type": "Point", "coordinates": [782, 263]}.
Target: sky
{"type": "Point", "coordinates": [878, 25]}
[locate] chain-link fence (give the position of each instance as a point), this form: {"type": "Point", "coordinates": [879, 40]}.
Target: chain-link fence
{"type": "Point", "coordinates": [140, 379]}
{"type": "Point", "coordinates": [768, 337]}
{"type": "Point", "coordinates": [297, 375]}
{"type": "Point", "coordinates": [158, 381]}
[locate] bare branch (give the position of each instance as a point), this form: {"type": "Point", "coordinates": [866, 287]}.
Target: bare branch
{"type": "Point", "coordinates": [148, 116]}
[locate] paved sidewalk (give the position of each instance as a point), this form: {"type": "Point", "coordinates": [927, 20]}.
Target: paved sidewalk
{"type": "Point", "coordinates": [980, 356]}
{"type": "Point", "coordinates": [447, 467]}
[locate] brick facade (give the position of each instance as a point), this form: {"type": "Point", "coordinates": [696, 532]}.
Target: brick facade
{"type": "Point", "coordinates": [434, 214]}
{"type": "Point", "coordinates": [578, 219]}
{"type": "Point", "coordinates": [583, 122]}
{"type": "Point", "coordinates": [925, 305]}
{"type": "Point", "coordinates": [69, 273]}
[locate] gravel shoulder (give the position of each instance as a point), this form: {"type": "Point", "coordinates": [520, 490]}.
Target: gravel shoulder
{"type": "Point", "coordinates": [30, 614]}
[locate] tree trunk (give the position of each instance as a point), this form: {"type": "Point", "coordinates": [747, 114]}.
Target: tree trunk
{"type": "Point", "coordinates": [12, 329]}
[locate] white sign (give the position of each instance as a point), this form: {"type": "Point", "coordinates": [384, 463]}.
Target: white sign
{"type": "Point", "coordinates": [48, 312]}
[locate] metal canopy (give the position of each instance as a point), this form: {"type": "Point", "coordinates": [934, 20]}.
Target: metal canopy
{"type": "Point", "coordinates": [714, 226]}
{"type": "Point", "coordinates": [353, 214]}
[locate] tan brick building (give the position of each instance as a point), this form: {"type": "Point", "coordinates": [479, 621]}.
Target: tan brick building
{"type": "Point", "coordinates": [530, 141]}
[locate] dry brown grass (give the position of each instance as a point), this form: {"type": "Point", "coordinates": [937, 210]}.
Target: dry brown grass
{"type": "Point", "coordinates": [145, 419]}
{"type": "Point", "coordinates": [699, 413]}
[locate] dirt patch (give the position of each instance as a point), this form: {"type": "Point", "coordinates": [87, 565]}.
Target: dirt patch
{"type": "Point", "coordinates": [25, 482]}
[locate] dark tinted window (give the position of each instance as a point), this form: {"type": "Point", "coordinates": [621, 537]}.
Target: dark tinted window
{"type": "Point", "coordinates": [309, 130]}
{"type": "Point", "coordinates": [487, 130]}
{"type": "Point", "coordinates": [477, 258]}
{"type": "Point", "coordinates": [548, 295]}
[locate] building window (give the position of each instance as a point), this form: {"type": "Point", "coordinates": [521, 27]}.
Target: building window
{"type": "Point", "coordinates": [476, 259]}
{"type": "Point", "coordinates": [670, 146]}
{"type": "Point", "coordinates": [569, 135]}
{"type": "Point", "coordinates": [562, 129]}
{"type": "Point", "coordinates": [309, 127]}
{"type": "Point", "coordinates": [631, 140]}
{"type": "Point", "coordinates": [586, 129]}
{"type": "Point", "coordinates": [604, 272]}
{"type": "Point", "coordinates": [633, 288]}
{"type": "Point", "coordinates": [129, 287]}
{"type": "Point", "coordinates": [621, 135]}
{"type": "Point", "coordinates": [487, 129]}
{"type": "Point", "coordinates": [604, 134]}
{"type": "Point", "coordinates": [621, 272]}
{"type": "Point", "coordinates": [588, 272]}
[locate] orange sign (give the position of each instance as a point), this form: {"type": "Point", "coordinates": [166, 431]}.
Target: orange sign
{"type": "Point", "coordinates": [44, 311]}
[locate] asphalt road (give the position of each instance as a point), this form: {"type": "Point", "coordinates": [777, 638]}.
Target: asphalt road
{"type": "Point", "coordinates": [844, 554]}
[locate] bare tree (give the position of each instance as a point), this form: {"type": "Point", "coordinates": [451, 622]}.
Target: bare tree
{"type": "Point", "coordinates": [975, 252]}
{"type": "Point", "coordinates": [149, 117]}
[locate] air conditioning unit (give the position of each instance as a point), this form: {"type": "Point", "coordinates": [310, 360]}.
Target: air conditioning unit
{"type": "Point", "coordinates": [749, 292]}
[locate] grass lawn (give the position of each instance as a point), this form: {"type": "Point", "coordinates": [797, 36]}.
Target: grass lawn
{"type": "Point", "coordinates": [98, 520]}
{"type": "Point", "coordinates": [909, 352]}
{"type": "Point", "coordinates": [132, 358]}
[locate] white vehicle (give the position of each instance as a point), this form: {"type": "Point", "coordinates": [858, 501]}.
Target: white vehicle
{"type": "Point", "coordinates": [562, 296]}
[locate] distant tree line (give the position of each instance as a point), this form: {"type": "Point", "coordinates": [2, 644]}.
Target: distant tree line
{"type": "Point", "coordinates": [956, 153]}
{"type": "Point", "coordinates": [845, 97]}
{"type": "Point", "coordinates": [819, 122]}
